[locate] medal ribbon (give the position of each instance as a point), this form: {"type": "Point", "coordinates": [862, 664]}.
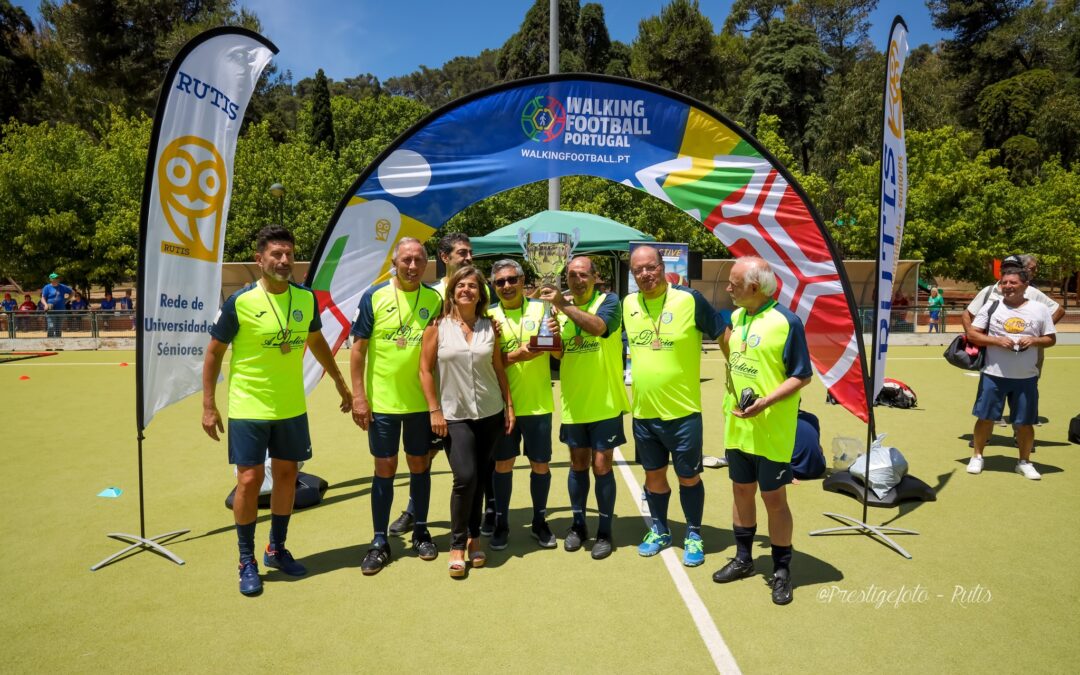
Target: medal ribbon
{"type": "Point", "coordinates": [288, 313]}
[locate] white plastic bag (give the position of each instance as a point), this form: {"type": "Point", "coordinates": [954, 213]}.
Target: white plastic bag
{"type": "Point", "coordinates": [887, 467]}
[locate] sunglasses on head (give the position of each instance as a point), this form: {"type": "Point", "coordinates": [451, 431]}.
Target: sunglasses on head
{"type": "Point", "coordinates": [507, 281]}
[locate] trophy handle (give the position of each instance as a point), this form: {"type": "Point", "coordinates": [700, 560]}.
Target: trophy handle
{"type": "Point", "coordinates": [523, 239]}
{"type": "Point", "coordinates": [575, 238]}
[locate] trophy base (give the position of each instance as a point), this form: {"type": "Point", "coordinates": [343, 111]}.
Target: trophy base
{"type": "Point", "coordinates": [545, 343]}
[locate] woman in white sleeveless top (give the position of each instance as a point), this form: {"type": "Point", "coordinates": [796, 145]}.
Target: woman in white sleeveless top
{"type": "Point", "coordinates": [469, 402]}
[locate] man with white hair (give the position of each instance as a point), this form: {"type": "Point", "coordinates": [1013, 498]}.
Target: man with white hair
{"type": "Point", "coordinates": [768, 363]}
{"type": "Point", "coordinates": [388, 401]}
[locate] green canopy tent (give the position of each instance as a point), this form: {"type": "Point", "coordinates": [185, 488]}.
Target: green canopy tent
{"type": "Point", "coordinates": [598, 234]}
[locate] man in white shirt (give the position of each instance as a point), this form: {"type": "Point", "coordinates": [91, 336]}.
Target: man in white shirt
{"type": "Point", "coordinates": [1012, 330]}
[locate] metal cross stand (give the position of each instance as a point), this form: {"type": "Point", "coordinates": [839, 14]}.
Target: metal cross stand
{"type": "Point", "coordinates": [862, 526]}
{"type": "Point", "coordinates": [141, 541]}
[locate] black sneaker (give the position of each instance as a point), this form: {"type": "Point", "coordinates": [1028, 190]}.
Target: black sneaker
{"type": "Point", "coordinates": [487, 527]}
{"type": "Point", "coordinates": [403, 524]}
{"type": "Point", "coordinates": [543, 536]}
{"type": "Point", "coordinates": [250, 583]}
{"type": "Point", "coordinates": [602, 547]}
{"type": "Point", "coordinates": [500, 539]}
{"type": "Point", "coordinates": [424, 547]}
{"type": "Point", "coordinates": [282, 560]}
{"type": "Point", "coordinates": [377, 557]}
{"type": "Point", "coordinates": [781, 587]}
{"type": "Point", "coordinates": [735, 569]}
{"type": "Point", "coordinates": [575, 537]}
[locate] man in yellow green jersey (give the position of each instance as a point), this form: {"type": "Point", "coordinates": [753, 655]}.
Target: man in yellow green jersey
{"type": "Point", "coordinates": [664, 326]}
{"type": "Point", "coordinates": [593, 397]}
{"type": "Point", "coordinates": [455, 251]}
{"type": "Point", "coordinates": [768, 363]}
{"type": "Point", "coordinates": [388, 401]}
{"type": "Point", "coordinates": [529, 373]}
{"type": "Point", "coordinates": [268, 324]}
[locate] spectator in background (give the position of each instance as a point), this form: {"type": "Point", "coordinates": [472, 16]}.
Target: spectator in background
{"type": "Point", "coordinates": [27, 304]}
{"type": "Point", "coordinates": [108, 305]}
{"type": "Point", "coordinates": [54, 297]}
{"type": "Point", "coordinates": [899, 308]}
{"type": "Point", "coordinates": [937, 309]}
{"type": "Point", "coordinates": [126, 302]}
{"type": "Point", "coordinates": [78, 303]}
{"type": "Point", "coordinates": [9, 303]}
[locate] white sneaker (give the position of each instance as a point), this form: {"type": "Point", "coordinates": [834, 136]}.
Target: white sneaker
{"type": "Point", "coordinates": [1027, 470]}
{"type": "Point", "coordinates": [713, 462]}
{"type": "Point", "coordinates": [975, 464]}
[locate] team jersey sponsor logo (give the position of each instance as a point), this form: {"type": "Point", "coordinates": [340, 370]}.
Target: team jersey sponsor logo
{"type": "Point", "coordinates": [742, 365]}
{"type": "Point", "coordinates": [297, 315]}
{"type": "Point", "coordinates": [753, 341]}
{"type": "Point", "coordinates": [424, 313]}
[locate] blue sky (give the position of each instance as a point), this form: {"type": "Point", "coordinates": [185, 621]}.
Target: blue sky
{"type": "Point", "coordinates": [388, 38]}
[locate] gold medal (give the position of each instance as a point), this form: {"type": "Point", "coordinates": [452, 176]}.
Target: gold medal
{"type": "Point", "coordinates": [656, 344]}
{"type": "Point", "coordinates": [286, 348]}
{"type": "Point", "coordinates": [401, 342]}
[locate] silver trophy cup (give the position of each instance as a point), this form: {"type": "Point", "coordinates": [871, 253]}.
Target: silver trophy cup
{"type": "Point", "coordinates": [547, 253]}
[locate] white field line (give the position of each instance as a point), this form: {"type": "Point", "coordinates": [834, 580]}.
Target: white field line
{"type": "Point", "coordinates": [710, 634]}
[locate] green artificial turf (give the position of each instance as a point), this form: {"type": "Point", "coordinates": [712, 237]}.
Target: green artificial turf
{"type": "Point", "coordinates": [993, 585]}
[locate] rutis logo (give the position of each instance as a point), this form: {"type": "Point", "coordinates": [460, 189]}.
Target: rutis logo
{"type": "Point", "coordinates": [543, 119]}
{"type": "Point", "coordinates": [191, 190]}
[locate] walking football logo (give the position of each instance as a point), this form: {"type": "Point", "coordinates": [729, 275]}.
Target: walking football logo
{"type": "Point", "coordinates": [543, 119]}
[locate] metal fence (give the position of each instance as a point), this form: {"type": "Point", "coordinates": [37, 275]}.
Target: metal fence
{"type": "Point", "coordinates": [74, 324]}
{"type": "Point", "coordinates": [917, 320]}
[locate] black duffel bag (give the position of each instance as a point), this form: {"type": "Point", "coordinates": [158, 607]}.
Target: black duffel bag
{"type": "Point", "coordinates": [962, 354]}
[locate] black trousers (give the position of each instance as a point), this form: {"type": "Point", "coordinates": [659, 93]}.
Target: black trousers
{"type": "Point", "coordinates": [470, 445]}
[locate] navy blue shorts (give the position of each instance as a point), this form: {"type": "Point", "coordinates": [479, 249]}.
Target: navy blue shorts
{"type": "Point", "coordinates": [251, 440]}
{"type": "Point", "coordinates": [603, 435]}
{"type": "Point", "coordinates": [387, 430]}
{"type": "Point", "coordinates": [656, 439]}
{"type": "Point", "coordinates": [1022, 395]}
{"type": "Point", "coordinates": [746, 468]}
{"type": "Point", "coordinates": [535, 431]}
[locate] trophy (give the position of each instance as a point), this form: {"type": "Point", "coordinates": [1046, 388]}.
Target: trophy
{"type": "Point", "coordinates": [547, 253]}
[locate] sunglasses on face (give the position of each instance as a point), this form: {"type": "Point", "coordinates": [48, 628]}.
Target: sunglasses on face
{"type": "Point", "coordinates": [507, 281]}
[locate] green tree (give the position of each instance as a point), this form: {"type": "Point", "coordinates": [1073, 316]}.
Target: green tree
{"type": "Point", "coordinates": [594, 39]}
{"type": "Point", "coordinates": [677, 50]}
{"type": "Point", "coordinates": [116, 52]}
{"type": "Point", "coordinates": [526, 52]}
{"type": "Point", "coordinates": [754, 16]}
{"type": "Point", "coordinates": [1007, 108]}
{"type": "Point", "coordinates": [322, 119]}
{"type": "Point", "coordinates": [20, 74]}
{"type": "Point", "coordinates": [842, 26]}
{"type": "Point", "coordinates": [788, 80]}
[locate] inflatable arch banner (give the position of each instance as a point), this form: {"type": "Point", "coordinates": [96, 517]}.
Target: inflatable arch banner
{"type": "Point", "coordinates": [642, 136]}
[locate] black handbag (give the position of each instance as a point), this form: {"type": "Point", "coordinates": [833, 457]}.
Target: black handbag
{"type": "Point", "coordinates": [965, 355]}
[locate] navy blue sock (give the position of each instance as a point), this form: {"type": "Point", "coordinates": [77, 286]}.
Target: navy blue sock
{"type": "Point", "coordinates": [488, 478]}
{"type": "Point", "coordinates": [503, 484]}
{"type": "Point", "coordinates": [539, 487]}
{"type": "Point", "coordinates": [693, 506]}
{"type": "Point", "coordinates": [744, 540]}
{"type": "Point", "coordinates": [420, 500]}
{"type": "Point", "coordinates": [658, 508]}
{"type": "Point", "coordinates": [577, 483]}
{"type": "Point", "coordinates": [279, 529]}
{"type": "Point", "coordinates": [605, 503]}
{"type": "Point", "coordinates": [245, 541]}
{"type": "Point", "coordinates": [781, 558]}
{"type": "Point", "coordinates": [382, 499]}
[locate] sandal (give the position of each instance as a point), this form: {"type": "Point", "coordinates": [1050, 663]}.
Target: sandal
{"type": "Point", "coordinates": [457, 568]}
{"type": "Point", "coordinates": [478, 557]}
